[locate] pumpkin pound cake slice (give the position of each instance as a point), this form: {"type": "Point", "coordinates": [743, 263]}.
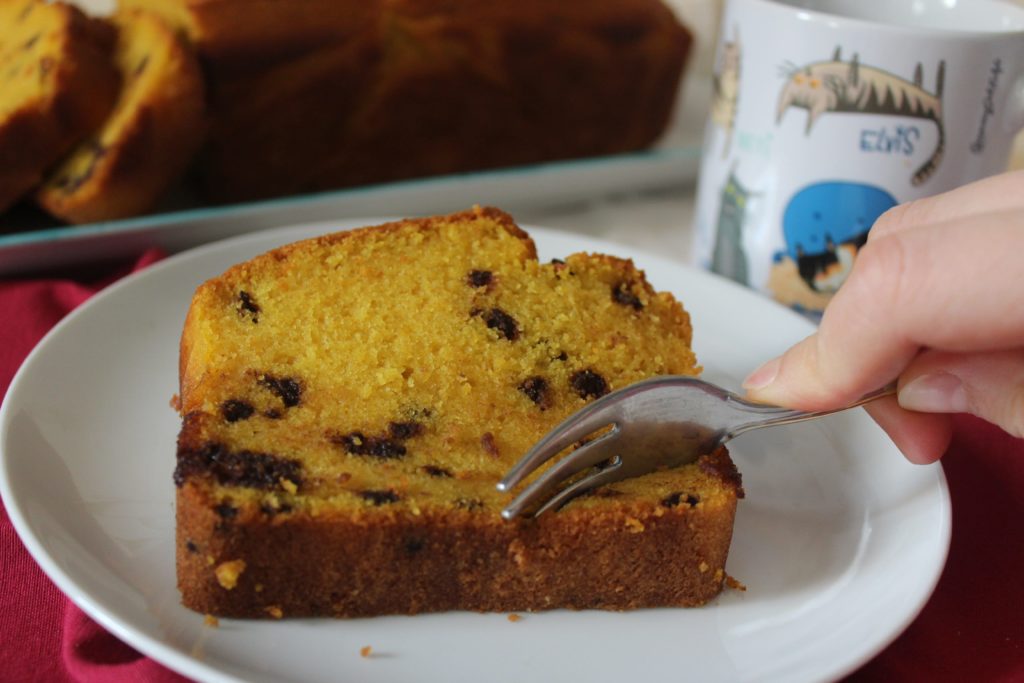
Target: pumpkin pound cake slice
{"type": "Point", "coordinates": [349, 403]}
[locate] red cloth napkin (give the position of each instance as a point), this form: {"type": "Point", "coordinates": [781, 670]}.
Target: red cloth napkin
{"type": "Point", "coordinates": [972, 629]}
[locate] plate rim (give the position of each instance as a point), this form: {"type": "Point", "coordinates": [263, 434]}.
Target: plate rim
{"type": "Point", "coordinates": [193, 667]}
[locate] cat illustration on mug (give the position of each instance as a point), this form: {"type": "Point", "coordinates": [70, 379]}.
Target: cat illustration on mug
{"type": "Point", "coordinates": [849, 87]}
{"type": "Point", "coordinates": [824, 227]}
{"type": "Point", "coordinates": [726, 88]}
{"type": "Point", "coordinates": [727, 256]}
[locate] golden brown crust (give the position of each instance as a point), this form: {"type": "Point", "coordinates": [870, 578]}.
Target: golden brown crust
{"type": "Point", "coordinates": [78, 87]}
{"type": "Point", "coordinates": [148, 140]}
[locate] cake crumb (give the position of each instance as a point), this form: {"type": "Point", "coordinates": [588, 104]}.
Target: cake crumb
{"type": "Point", "coordinates": [274, 611]}
{"type": "Point", "coordinates": [365, 651]}
{"type": "Point", "coordinates": [736, 585]}
{"type": "Point", "coordinates": [176, 403]}
{"type": "Point", "coordinates": [288, 485]}
{"type": "Point", "coordinates": [489, 445]}
{"type": "Point", "coordinates": [211, 621]}
{"type": "Point", "coordinates": [704, 567]}
{"type": "Point", "coordinates": [228, 573]}
{"type": "Point", "coordinates": [634, 525]}
{"type": "Point", "coordinates": [514, 618]}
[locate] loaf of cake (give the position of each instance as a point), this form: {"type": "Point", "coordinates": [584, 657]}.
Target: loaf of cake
{"type": "Point", "coordinates": [350, 402]}
{"type": "Point", "coordinates": [239, 37]}
{"type": "Point", "coordinates": [351, 92]}
{"type": "Point", "coordinates": [127, 164]}
{"type": "Point", "coordinates": [57, 83]}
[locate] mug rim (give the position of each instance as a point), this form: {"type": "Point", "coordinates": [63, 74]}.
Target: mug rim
{"type": "Point", "coordinates": [834, 20]}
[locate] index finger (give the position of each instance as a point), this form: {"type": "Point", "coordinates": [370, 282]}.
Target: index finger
{"type": "Point", "coordinates": [953, 286]}
{"type": "Point", "coordinates": [991, 195]}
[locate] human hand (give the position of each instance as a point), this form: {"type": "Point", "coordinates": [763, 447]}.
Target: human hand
{"type": "Point", "coordinates": [935, 299]}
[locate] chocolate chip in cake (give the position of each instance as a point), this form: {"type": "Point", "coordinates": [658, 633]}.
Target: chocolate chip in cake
{"type": "Point", "coordinates": [248, 306]}
{"type": "Point", "coordinates": [588, 384]}
{"type": "Point", "coordinates": [71, 183]}
{"type": "Point", "coordinates": [378, 497]}
{"type": "Point", "coordinates": [562, 356]}
{"type": "Point", "coordinates": [560, 267]}
{"type": "Point", "coordinates": [674, 499]}
{"type": "Point", "coordinates": [490, 447]}
{"type": "Point", "coordinates": [358, 443]}
{"type": "Point", "coordinates": [237, 468]}
{"type": "Point", "coordinates": [288, 389]}
{"type": "Point", "coordinates": [226, 511]}
{"type": "Point", "coordinates": [191, 547]}
{"type": "Point", "coordinates": [537, 390]}
{"type": "Point", "coordinates": [401, 431]}
{"type": "Point", "coordinates": [621, 294]}
{"type": "Point", "coordinates": [480, 278]}
{"type": "Point", "coordinates": [500, 321]}
{"type": "Point", "coordinates": [234, 410]}
{"type": "Point", "coordinates": [435, 471]}
{"type": "Point", "coordinates": [273, 414]}
{"type": "Point", "coordinates": [414, 545]}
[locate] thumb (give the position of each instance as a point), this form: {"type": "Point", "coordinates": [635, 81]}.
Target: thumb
{"type": "Point", "coordinates": [989, 385]}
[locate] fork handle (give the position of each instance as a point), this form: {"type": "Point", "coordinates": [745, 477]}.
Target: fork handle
{"type": "Point", "coordinates": [772, 416]}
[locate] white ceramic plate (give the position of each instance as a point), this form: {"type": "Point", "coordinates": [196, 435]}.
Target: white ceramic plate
{"type": "Point", "coordinates": [839, 541]}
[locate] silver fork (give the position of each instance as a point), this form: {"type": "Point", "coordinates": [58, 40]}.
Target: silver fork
{"type": "Point", "coordinates": [656, 423]}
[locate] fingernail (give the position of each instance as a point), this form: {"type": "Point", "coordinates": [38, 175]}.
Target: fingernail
{"type": "Point", "coordinates": [763, 376]}
{"type": "Point", "coordinates": [937, 393]}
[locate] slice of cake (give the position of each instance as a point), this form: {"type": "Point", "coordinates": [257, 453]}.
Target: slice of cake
{"type": "Point", "coordinates": [57, 83]}
{"type": "Point", "coordinates": [125, 166]}
{"type": "Point", "coordinates": [349, 403]}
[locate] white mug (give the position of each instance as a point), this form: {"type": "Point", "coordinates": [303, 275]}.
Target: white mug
{"type": "Point", "coordinates": [826, 113]}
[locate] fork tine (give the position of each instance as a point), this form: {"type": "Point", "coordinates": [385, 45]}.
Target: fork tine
{"type": "Point", "coordinates": [575, 427]}
{"type": "Point", "coordinates": [591, 481]}
{"type": "Point", "coordinates": [580, 459]}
